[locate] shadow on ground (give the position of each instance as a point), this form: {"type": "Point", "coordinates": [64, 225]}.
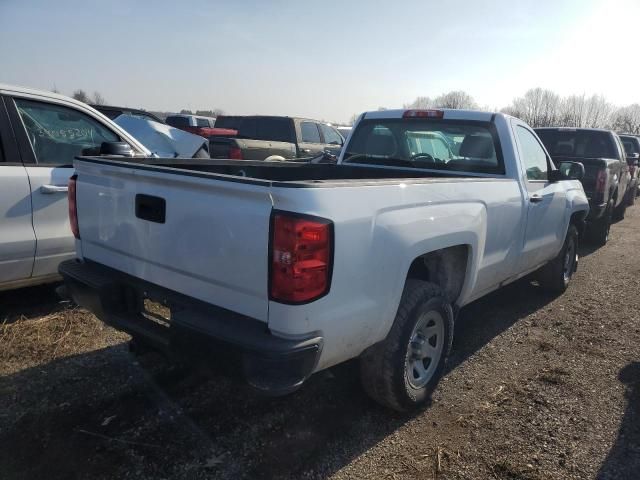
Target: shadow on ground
{"type": "Point", "coordinates": [29, 302]}
{"type": "Point", "coordinates": [105, 414]}
{"type": "Point", "coordinates": [623, 461]}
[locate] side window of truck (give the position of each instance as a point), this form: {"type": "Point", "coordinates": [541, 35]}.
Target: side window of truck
{"type": "Point", "coordinates": [248, 128]}
{"type": "Point", "coordinates": [58, 134]}
{"type": "Point", "coordinates": [310, 133]}
{"type": "Point", "coordinates": [275, 129]}
{"type": "Point", "coordinates": [202, 122]}
{"type": "Point", "coordinates": [533, 155]}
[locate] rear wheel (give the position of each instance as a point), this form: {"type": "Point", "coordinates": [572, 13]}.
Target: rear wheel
{"type": "Point", "coordinates": [557, 274]}
{"type": "Point", "coordinates": [402, 371]}
{"type": "Point", "coordinates": [618, 213]}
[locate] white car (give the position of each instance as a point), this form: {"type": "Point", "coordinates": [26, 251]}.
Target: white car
{"type": "Point", "coordinates": [40, 134]}
{"type": "Point", "coordinates": [299, 267]}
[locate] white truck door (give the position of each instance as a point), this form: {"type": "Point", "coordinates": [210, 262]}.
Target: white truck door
{"type": "Point", "coordinates": [54, 136]}
{"type": "Point", "coordinates": [546, 201]}
{"type": "Point", "coordinates": [17, 240]}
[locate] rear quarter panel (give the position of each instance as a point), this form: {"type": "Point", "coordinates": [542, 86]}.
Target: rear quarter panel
{"type": "Point", "coordinates": [379, 231]}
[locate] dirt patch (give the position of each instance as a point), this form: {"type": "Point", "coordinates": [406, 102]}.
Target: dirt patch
{"type": "Point", "coordinates": [538, 387]}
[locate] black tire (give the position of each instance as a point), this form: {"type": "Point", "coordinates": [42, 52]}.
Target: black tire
{"type": "Point", "coordinates": [556, 275]}
{"type": "Point", "coordinates": [598, 232]}
{"type": "Point", "coordinates": [383, 367]}
{"type": "Point", "coordinates": [618, 213]}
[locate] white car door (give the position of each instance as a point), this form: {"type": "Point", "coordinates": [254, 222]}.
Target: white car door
{"type": "Point", "coordinates": [546, 201]}
{"type": "Point", "coordinates": [17, 240]}
{"type": "Point", "coordinates": [53, 135]}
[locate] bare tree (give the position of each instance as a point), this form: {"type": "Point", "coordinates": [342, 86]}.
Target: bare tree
{"type": "Point", "coordinates": [572, 111]}
{"type": "Point", "coordinates": [456, 99]}
{"type": "Point", "coordinates": [626, 119]}
{"type": "Point", "coordinates": [210, 113]}
{"type": "Point", "coordinates": [537, 107]}
{"type": "Point", "coordinates": [55, 89]}
{"type": "Point", "coordinates": [420, 102]}
{"type": "Point", "coordinates": [81, 96]}
{"type": "Point", "coordinates": [98, 99]}
{"type": "Point", "coordinates": [585, 112]}
{"type": "Point", "coordinates": [184, 111]}
{"type": "Point", "coordinates": [597, 112]}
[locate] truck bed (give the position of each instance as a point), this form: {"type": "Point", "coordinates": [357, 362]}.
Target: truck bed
{"type": "Point", "coordinates": [201, 227]}
{"type": "Point", "coordinates": [282, 173]}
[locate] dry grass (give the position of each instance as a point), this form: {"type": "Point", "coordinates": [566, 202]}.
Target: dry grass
{"type": "Point", "coordinates": [27, 342]}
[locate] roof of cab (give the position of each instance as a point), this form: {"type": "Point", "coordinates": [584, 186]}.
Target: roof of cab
{"type": "Point", "coordinates": [449, 114]}
{"type": "Point", "coordinates": [575, 129]}
{"type": "Point", "coordinates": [4, 88]}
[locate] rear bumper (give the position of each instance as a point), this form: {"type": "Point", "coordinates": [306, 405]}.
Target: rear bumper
{"type": "Point", "coordinates": [196, 330]}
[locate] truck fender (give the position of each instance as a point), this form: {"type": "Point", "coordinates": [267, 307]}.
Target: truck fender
{"type": "Point", "coordinates": [443, 234]}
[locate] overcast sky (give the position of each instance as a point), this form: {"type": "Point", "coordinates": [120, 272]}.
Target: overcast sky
{"type": "Point", "coordinates": [323, 59]}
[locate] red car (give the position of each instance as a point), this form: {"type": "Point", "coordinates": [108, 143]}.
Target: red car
{"type": "Point", "coordinates": [203, 126]}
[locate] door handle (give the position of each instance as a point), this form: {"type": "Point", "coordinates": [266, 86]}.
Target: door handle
{"type": "Point", "coordinates": [535, 198]}
{"type": "Point", "coordinates": [48, 189]}
{"type": "Point", "coordinates": [305, 150]}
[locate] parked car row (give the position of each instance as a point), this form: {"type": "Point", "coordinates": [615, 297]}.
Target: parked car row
{"type": "Point", "coordinates": [611, 171]}
{"type": "Point", "coordinates": [258, 137]}
{"type": "Point", "coordinates": [276, 139]}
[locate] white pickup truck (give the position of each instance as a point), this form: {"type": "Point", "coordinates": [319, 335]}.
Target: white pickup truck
{"type": "Point", "coordinates": [299, 267]}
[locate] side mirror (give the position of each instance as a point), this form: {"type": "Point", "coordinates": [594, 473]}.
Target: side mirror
{"type": "Point", "coordinates": [633, 159]}
{"type": "Point", "coordinates": [567, 171]}
{"type": "Point", "coordinates": [325, 157]}
{"type": "Point", "coordinates": [121, 149]}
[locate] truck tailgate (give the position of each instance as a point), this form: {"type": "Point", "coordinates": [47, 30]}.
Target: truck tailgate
{"type": "Point", "coordinates": [196, 235]}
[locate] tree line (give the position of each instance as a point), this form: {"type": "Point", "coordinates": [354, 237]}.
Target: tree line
{"type": "Point", "coordinates": [544, 108]}
{"type": "Point", "coordinates": [538, 107]}
{"type": "Point", "coordinates": [97, 99]}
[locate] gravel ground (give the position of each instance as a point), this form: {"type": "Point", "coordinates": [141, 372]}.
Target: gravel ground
{"type": "Point", "coordinates": [538, 387]}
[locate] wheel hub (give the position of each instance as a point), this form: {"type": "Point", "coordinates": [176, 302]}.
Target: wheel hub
{"type": "Point", "coordinates": [570, 257]}
{"type": "Point", "coordinates": [425, 349]}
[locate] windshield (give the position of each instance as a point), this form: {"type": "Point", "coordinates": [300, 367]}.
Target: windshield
{"type": "Point", "coordinates": [578, 143]}
{"type": "Point", "coordinates": [467, 146]}
{"type": "Point", "coordinates": [178, 122]}
{"type": "Point", "coordinates": [228, 122]}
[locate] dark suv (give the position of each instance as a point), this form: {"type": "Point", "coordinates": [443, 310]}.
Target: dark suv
{"type": "Point", "coordinates": [606, 177]}
{"type": "Point", "coordinates": [277, 138]}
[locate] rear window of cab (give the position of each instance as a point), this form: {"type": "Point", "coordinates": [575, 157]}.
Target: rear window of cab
{"type": "Point", "coordinates": [454, 145]}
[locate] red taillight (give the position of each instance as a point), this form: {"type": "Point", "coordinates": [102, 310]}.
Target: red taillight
{"type": "Point", "coordinates": [235, 153]}
{"type": "Point", "coordinates": [73, 207]}
{"type": "Point", "coordinates": [301, 257]}
{"type": "Point", "coordinates": [601, 181]}
{"type": "Point", "coordinates": [423, 114]}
